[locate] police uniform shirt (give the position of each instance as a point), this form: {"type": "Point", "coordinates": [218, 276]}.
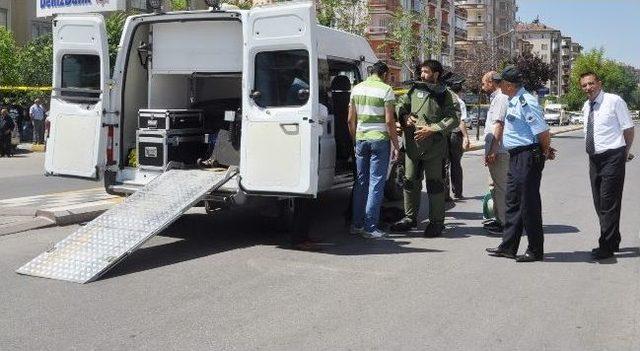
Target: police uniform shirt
{"type": "Point", "coordinates": [524, 121]}
{"type": "Point", "coordinates": [496, 113]}
{"type": "Point", "coordinates": [610, 118]}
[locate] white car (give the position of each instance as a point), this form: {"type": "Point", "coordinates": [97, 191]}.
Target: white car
{"type": "Point", "coordinates": [553, 114]}
{"type": "Point", "coordinates": [576, 117]}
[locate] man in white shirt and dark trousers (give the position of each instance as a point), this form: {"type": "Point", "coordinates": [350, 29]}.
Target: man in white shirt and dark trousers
{"type": "Point", "coordinates": [608, 137]}
{"type": "Point", "coordinates": [496, 157]}
{"type": "Point", "coordinates": [36, 113]}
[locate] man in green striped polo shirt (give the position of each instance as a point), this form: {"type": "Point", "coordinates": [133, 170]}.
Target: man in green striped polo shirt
{"type": "Point", "coordinates": [372, 127]}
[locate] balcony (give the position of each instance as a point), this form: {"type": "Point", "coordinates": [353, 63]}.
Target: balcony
{"type": "Point", "coordinates": [445, 27]}
{"type": "Point", "coordinates": [471, 4]}
{"type": "Point", "coordinates": [445, 5]}
{"type": "Point", "coordinates": [461, 33]}
{"type": "Point", "coordinates": [383, 5]}
{"type": "Point", "coordinates": [377, 30]}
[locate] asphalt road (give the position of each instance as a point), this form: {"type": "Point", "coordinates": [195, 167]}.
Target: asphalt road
{"type": "Point", "coordinates": [225, 283]}
{"type": "Point", "coordinates": [23, 175]}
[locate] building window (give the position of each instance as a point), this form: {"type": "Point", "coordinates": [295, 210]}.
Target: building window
{"type": "Point", "coordinates": [138, 4]}
{"type": "Point", "coordinates": [544, 57]}
{"type": "Point", "coordinates": [4, 19]}
{"type": "Point", "coordinates": [545, 47]}
{"type": "Point", "coordinates": [40, 28]}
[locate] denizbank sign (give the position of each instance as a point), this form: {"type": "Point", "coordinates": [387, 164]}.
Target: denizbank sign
{"type": "Point", "coordinates": [51, 7]}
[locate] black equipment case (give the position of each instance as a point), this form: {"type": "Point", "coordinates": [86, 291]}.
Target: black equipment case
{"type": "Point", "coordinates": [169, 119]}
{"type": "Point", "coordinates": [159, 149]}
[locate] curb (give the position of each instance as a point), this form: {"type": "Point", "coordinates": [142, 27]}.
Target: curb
{"type": "Point", "coordinates": [74, 214]}
{"type": "Point", "coordinates": [32, 147]}
{"type": "Point", "coordinates": [556, 132]}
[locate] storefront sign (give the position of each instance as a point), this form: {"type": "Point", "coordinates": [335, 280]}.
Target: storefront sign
{"type": "Point", "coordinates": [51, 7]}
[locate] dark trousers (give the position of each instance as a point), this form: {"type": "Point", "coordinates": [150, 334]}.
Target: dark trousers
{"type": "Point", "coordinates": [607, 171]}
{"type": "Point", "coordinates": [5, 144]}
{"type": "Point", "coordinates": [524, 206]}
{"type": "Point", "coordinates": [453, 165]}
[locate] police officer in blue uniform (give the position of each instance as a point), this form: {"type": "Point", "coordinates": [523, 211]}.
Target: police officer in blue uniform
{"type": "Point", "coordinates": [526, 137]}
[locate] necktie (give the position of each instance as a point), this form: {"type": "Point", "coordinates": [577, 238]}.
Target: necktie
{"type": "Point", "coordinates": [590, 145]}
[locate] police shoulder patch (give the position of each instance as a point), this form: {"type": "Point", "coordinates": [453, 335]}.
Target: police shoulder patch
{"type": "Point", "coordinates": [523, 101]}
{"type": "Point", "coordinates": [530, 118]}
{"type": "Point", "coordinates": [420, 94]}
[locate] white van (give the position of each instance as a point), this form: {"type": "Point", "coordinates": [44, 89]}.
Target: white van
{"type": "Point", "coordinates": [237, 68]}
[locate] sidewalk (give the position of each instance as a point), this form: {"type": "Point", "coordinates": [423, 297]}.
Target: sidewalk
{"type": "Point", "coordinates": [32, 212]}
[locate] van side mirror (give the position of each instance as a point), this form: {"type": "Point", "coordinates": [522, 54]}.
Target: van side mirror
{"type": "Point", "coordinates": [255, 95]}
{"type": "Point", "coordinates": [303, 94]}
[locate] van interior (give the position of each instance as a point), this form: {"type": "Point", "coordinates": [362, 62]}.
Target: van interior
{"type": "Point", "coordinates": [164, 71]}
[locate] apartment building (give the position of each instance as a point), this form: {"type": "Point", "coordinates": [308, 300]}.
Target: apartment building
{"type": "Point", "coordinates": [491, 22]}
{"type": "Point", "coordinates": [546, 43]}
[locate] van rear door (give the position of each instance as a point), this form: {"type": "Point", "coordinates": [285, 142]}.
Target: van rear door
{"type": "Point", "coordinates": [76, 141]}
{"type": "Point", "coordinates": [280, 130]}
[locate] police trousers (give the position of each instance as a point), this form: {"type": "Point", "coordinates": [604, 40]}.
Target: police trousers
{"type": "Point", "coordinates": [524, 206]}
{"type": "Point", "coordinates": [607, 173]}
{"type": "Point", "coordinates": [428, 168]}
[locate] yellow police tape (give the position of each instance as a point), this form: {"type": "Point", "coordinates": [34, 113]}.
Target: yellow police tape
{"type": "Point", "coordinates": [22, 88]}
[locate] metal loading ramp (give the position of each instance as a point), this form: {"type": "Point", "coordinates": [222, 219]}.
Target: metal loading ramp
{"type": "Point", "coordinates": [97, 247]}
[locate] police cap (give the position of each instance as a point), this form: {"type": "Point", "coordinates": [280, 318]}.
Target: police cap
{"type": "Point", "coordinates": [510, 74]}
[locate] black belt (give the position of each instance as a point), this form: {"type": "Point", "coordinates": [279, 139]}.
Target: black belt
{"type": "Point", "coordinates": [518, 149]}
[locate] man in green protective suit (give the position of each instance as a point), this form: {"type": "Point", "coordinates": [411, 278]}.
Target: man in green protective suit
{"type": "Point", "coordinates": [427, 114]}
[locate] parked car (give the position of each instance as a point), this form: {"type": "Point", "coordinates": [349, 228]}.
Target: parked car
{"type": "Point", "coordinates": [554, 114]}
{"type": "Point", "coordinates": [477, 116]}
{"type": "Point", "coordinates": [576, 117]}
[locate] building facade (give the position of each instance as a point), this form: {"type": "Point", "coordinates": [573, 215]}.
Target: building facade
{"type": "Point", "coordinates": [546, 42]}
{"type": "Point", "coordinates": [491, 22]}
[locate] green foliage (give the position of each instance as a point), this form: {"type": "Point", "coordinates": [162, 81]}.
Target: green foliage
{"type": "Point", "coordinates": [535, 71]}
{"type": "Point", "coordinates": [8, 58]}
{"type": "Point", "coordinates": [179, 5]}
{"type": "Point", "coordinates": [349, 15]}
{"type": "Point", "coordinates": [413, 36]}
{"type": "Point", "coordinates": [36, 62]}
{"type": "Point", "coordinates": [615, 78]}
{"type": "Point", "coordinates": [114, 25]}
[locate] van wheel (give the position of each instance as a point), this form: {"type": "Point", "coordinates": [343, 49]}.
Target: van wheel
{"type": "Point", "coordinates": [395, 182]}
{"type": "Point", "coordinates": [294, 217]}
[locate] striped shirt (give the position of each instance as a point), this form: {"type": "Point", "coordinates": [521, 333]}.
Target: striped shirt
{"type": "Point", "coordinates": [370, 98]}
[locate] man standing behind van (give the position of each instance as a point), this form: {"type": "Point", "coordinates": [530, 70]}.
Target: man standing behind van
{"type": "Point", "coordinates": [36, 113]}
{"type": "Point", "coordinates": [372, 127]}
{"type": "Point", "coordinates": [497, 157]}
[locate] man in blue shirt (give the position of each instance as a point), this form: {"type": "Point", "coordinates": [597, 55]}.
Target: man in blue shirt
{"type": "Point", "coordinates": [526, 137]}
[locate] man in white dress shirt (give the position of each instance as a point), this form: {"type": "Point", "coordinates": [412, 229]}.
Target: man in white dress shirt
{"type": "Point", "coordinates": [608, 138]}
{"type": "Point", "coordinates": [496, 157]}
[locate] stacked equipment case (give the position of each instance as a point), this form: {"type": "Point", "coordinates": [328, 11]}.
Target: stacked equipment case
{"type": "Point", "coordinates": [170, 138]}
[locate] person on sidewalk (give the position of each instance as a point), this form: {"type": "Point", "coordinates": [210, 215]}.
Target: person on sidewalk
{"type": "Point", "coordinates": [37, 115]}
{"type": "Point", "coordinates": [496, 157]}
{"type": "Point", "coordinates": [6, 126]}
{"type": "Point", "coordinates": [458, 142]}
{"type": "Point", "coordinates": [527, 138]}
{"type": "Point", "coordinates": [609, 135]}
{"type": "Point", "coordinates": [372, 127]}
{"type": "Point", "coordinates": [427, 113]}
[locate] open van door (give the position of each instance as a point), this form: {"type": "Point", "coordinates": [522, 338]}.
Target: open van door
{"type": "Point", "coordinates": [280, 130]}
{"type": "Point", "coordinates": [76, 141]}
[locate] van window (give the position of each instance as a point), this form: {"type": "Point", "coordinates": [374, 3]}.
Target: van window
{"type": "Point", "coordinates": [80, 76]}
{"type": "Point", "coordinates": [282, 78]}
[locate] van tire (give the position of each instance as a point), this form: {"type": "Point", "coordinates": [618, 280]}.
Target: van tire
{"type": "Point", "coordinates": [294, 216]}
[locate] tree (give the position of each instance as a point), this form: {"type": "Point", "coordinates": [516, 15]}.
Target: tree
{"type": "Point", "coordinates": [413, 37]}
{"type": "Point", "coordinates": [36, 59]}
{"type": "Point", "coordinates": [535, 72]}
{"type": "Point", "coordinates": [8, 58]}
{"type": "Point", "coordinates": [476, 62]}
{"type": "Point", "coordinates": [615, 78]}
{"type": "Point", "coordinates": [349, 15]}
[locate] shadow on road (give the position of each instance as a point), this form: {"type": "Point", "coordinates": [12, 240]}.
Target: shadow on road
{"type": "Point", "coordinates": [585, 256]}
